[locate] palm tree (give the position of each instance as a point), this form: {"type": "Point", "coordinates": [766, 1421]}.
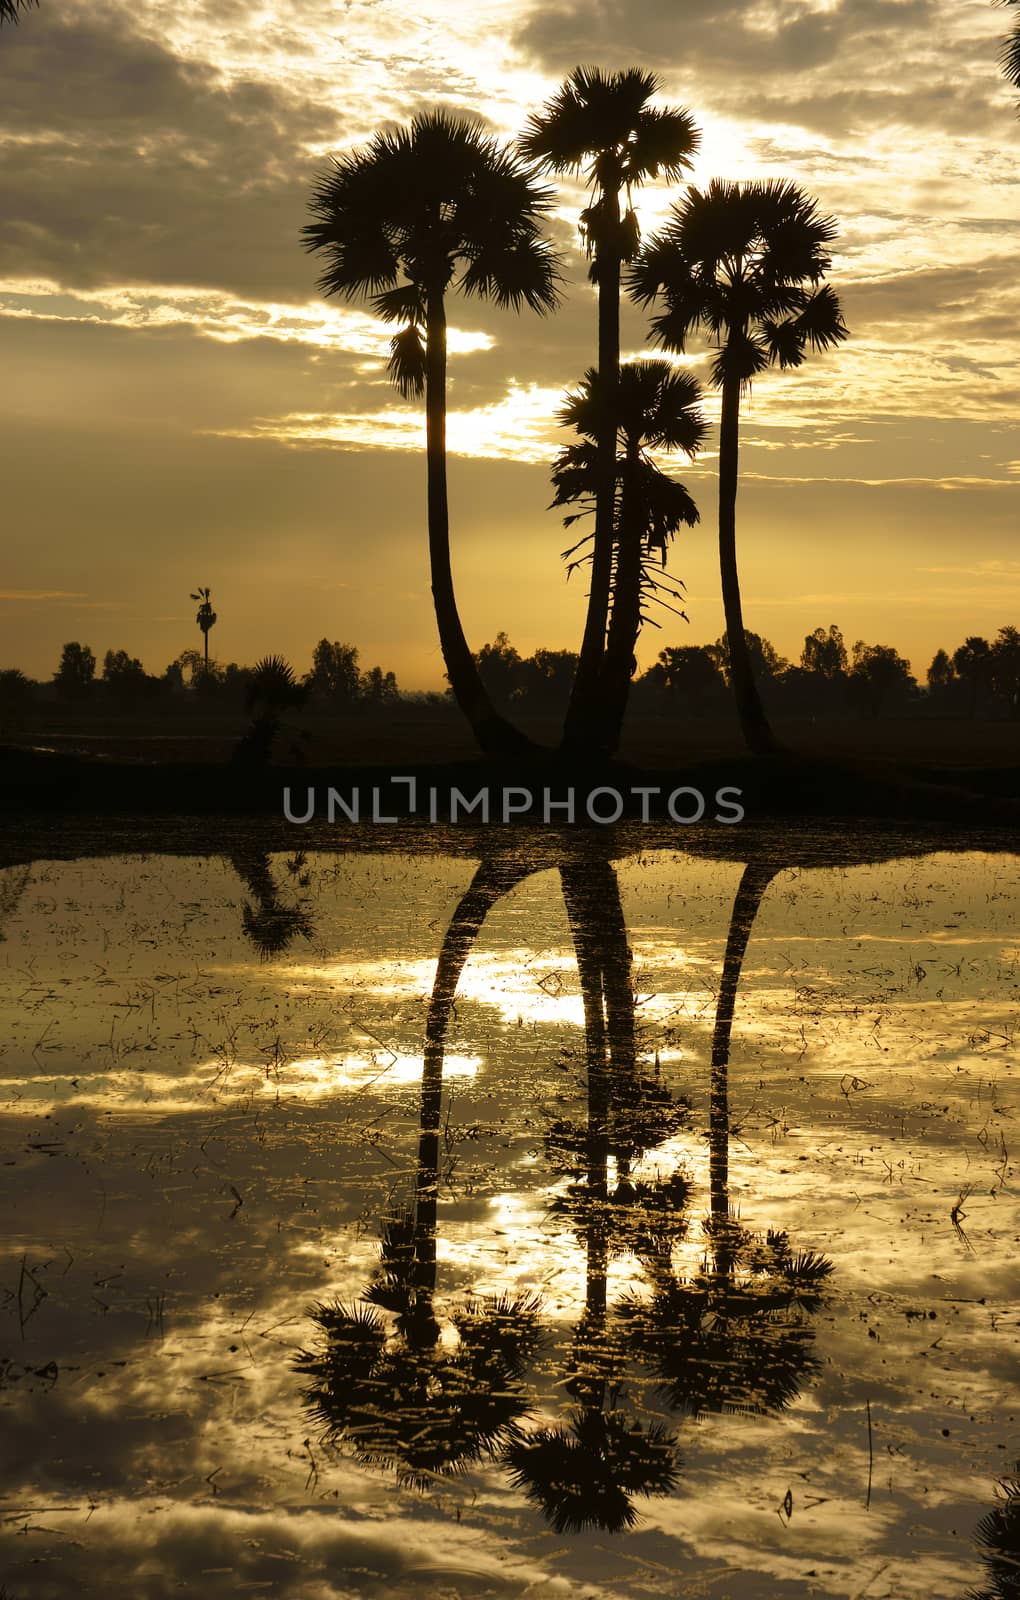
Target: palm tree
{"type": "Point", "coordinates": [415, 213]}
{"type": "Point", "coordinates": [272, 689]}
{"type": "Point", "coordinates": [743, 263]}
{"type": "Point", "coordinates": [658, 408]}
{"type": "Point", "coordinates": [602, 127]}
{"type": "Point", "coordinates": [1010, 56]}
{"type": "Point", "coordinates": [206, 617]}
{"type": "Point", "coordinates": [9, 9]}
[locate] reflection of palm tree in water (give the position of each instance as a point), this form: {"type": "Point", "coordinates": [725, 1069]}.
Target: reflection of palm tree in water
{"type": "Point", "coordinates": [404, 1399]}
{"type": "Point", "coordinates": [735, 1336]}
{"type": "Point", "coordinates": [12, 888]}
{"type": "Point", "coordinates": [270, 923]}
{"type": "Point", "coordinates": [586, 1474]}
{"type": "Point", "coordinates": [997, 1536]}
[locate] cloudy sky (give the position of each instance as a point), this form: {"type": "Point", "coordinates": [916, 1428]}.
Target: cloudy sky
{"type": "Point", "coordinates": [179, 406]}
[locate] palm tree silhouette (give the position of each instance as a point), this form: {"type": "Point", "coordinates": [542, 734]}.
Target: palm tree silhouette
{"type": "Point", "coordinates": [657, 409]}
{"type": "Point", "coordinates": [998, 1538]}
{"type": "Point", "coordinates": [272, 689]}
{"type": "Point", "coordinates": [744, 263]}
{"type": "Point", "coordinates": [403, 1399]}
{"type": "Point", "coordinates": [1010, 56]}
{"type": "Point", "coordinates": [206, 618]}
{"type": "Point", "coordinates": [603, 127]}
{"type": "Point", "coordinates": [735, 1336]}
{"type": "Point", "coordinates": [9, 9]}
{"type": "Point", "coordinates": [418, 211]}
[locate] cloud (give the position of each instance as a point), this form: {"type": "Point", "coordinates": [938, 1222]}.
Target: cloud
{"type": "Point", "coordinates": [42, 594]}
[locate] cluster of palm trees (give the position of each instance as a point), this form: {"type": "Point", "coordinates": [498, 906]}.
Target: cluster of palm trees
{"type": "Point", "coordinates": [439, 206]}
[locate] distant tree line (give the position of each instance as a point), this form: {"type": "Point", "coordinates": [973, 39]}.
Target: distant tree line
{"type": "Point", "coordinates": [334, 683]}
{"type": "Point", "coordinates": [980, 678]}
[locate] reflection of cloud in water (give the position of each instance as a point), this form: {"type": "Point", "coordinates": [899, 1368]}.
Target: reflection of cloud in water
{"type": "Point", "coordinates": [252, 1151]}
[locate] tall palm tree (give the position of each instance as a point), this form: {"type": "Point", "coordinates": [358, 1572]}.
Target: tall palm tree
{"type": "Point", "coordinates": [417, 212]}
{"type": "Point", "coordinates": [9, 9]}
{"type": "Point", "coordinates": [206, 617]}
{"type": "Point", "coordinates": [744, 263]}
{"type": "Point", "coordinates": [657, 408]}
{"type": "Point", "coordinates": [602, 126]}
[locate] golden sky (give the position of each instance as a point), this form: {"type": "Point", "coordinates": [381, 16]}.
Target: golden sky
{"type": "Point", "coordinates": [179, 406]}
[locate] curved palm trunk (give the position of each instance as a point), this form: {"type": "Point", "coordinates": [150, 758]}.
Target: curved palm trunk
{"type": "Point", "coordinates": [495, 735]}
{"type": "Point", "coordinates": [584, 729]}
{"type": "Point", "coordinates": [759, 736]}
{"type": "Point", "coordinates": [491, 881]}
{"type": "Point", "coordinates": [757, 876]}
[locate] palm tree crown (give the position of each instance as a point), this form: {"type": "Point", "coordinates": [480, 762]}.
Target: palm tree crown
{"type": "Point", "coordinates": [418, 211]}
{"type": "Point", "coordinates": [9, 9]}
{"type": "Point", "coordinates": [443, 205]}
{"type": "Point", "coordinates": [743, 263]}
{"type": "Point", "coordinates": [602, 126]}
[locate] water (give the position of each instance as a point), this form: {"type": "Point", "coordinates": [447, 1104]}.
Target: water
{"type": "Point", "coordinates": [391, 1223]}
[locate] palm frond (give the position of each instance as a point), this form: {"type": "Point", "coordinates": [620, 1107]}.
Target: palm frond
{"type": "Point", "coordinates": [9, 9]}
{"type": "Point", "coordinates": [406, 366]}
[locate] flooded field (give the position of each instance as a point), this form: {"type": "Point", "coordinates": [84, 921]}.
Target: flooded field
{"type": "Point", "coordinates": [598, 1225]}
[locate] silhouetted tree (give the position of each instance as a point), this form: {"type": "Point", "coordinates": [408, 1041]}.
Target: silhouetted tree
{"type": "Point", "coordinates": [689, 675]}
{"type": "Point", "coordinates": [125, 677]}
{"type": "Point", "coordinates": [1005, 668]}
{"type": "Point", "coordinates": [602, 126]}
{"type": "Point", "coordinates": [657, 408]}
{"type": "Point", "coordinates": [76, 672]}
{"type": "Point", "coordinates": [766, 662]}
{"type": "Point", "coordinates": [335, 676]}
{"type": "Point", "coordinates": [16, 695]}
{"type": "Point", "coordinates": [973, 664]}
{"type": "Point", "coordinates": [445, 207]}
{"type": "Point", "coordinates": [378, 688]}
{"type": "Point", "coordinates": [744, 264]}
{"type": "Point", "coordinates": [206, 618]}
{"type": "Point", "coordinates": [499, 667]}
{"type": "Point", "coordinates": [879, 674]}
{"type": "Point", "coordinates": [546, 678]}
{"type": "Point", "coordinates": [824, 653]}
{"type": "Point", "coordinates": [272, 689]}
{"type": "Point", "coordinates": [941, 674]}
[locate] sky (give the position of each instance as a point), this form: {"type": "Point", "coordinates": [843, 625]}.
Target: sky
{"type": "Point", "coordinates": [180, 406]}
